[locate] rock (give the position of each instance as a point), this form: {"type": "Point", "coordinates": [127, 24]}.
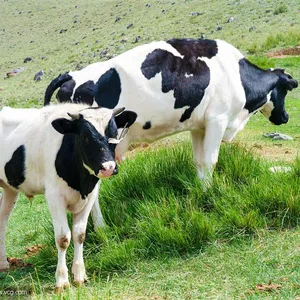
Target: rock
{"type": "Point", "coordinates": [63, 30]}
{"type": "Point", "coordinates": [75, 21]}
{"type": "Point", "coordinates": [148, 5]}
{"type": "Point", "coordinates": [130, 25]}
{"type": "Point", "coordinates": [137, 39]}
{"type": "Point", "coordinates": [14, 72]}
{"type": "Point", "coordinates": [202, 36]}
{"type": "Point", "coordinates": [27, 59]}
{"type": "Point", "coordinates": [231, 19]}
{"type": "Point", "coordinates": [38, 76]}
{"type": "Point", "coordinates": [280, 169]}
{"type": "Point", "coordinates": [79, 67]}
{"type": "Point", "coordinates": [219, 28]}
{"type": "Point", "coordinates": [117, 19]}
{"type": "Point", "coordinates": [278, 136]}
{"type": "Point", "coordinates": [195, 14]}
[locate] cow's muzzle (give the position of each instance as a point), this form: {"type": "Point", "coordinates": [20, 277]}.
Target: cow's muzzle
{"type": "Point", "coordinates": [108, 169]}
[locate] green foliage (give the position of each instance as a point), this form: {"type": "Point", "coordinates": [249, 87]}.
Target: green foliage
{"type": "Point", "coordinates": [280, 9]}
{"type": "Point", "coordinates": [156, 207]}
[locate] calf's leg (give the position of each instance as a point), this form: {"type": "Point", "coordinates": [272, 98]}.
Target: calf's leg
{"type": "Point", "coordinates": [7, 202]}
{"type": "Point", "coordinates": [79, 228]}
{"type": "Point", "coordinates": [62, 239]}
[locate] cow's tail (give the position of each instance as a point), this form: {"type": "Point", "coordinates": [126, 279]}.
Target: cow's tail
{"type": "Point", "coordinates": [55, 84]}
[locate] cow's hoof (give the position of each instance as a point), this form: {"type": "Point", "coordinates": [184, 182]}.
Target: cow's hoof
{"type": "Point", "coordinates": [59, 289]}
{"type": "Point", "coordinates": [78, 283]}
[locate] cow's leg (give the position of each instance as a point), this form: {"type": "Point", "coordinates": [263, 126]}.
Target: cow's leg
{"type": "Point", "coordinates": [96, 213]}
{"type": "Point", "coordinates": [79, 228]}
{"type": "Point", "coordinates": [62, 238]}
{"type": "Point", "coordinates": [206, 146]}
{"type": "Point", "coordinates": [7, 202]}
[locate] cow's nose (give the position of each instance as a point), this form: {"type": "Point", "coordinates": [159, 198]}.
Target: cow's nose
{"type": "Point", "coordinates": [108, 169]}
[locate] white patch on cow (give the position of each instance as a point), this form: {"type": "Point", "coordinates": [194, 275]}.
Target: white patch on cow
{"type": "Point", "coordinates": [91, 172]}
{"type": "Point", "coordinates": [188, 75]}
{"type": "Point", "coordinates": [267, 109]}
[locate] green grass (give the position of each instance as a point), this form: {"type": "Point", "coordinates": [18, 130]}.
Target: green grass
{"type": "Point", "coordinates": [33, 29]}
{"type": "Point", "coordinates": [157, 212]}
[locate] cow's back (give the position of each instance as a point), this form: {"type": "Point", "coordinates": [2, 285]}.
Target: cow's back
{"type": "Point", "coordinates": [172, 90]}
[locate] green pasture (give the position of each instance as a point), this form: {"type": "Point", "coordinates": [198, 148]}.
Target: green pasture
{"type": "Point", "coordinates": [166, 238]}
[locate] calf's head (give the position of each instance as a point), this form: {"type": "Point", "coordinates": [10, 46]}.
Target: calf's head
{"type": "Point", "coordinates": [274, 109]}
{"type": "Point", "coordinates": [95, 131]}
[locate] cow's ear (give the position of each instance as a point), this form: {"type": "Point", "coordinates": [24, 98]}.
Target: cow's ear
{"type": "Point", "coordinates": [64, 126]}
{"type": "Point", "coordinates": [125, 118]}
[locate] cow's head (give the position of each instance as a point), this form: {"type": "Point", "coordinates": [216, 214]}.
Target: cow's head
{"type": "Point", "coordinates": [274, 109]}
{"type": "Point", "coordinates": [96, 131]}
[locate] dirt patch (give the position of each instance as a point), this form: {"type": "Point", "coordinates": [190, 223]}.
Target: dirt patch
{"type": "Point", "coordinates": [295, 51]}
{"type": "Point", "coordinates": [276, 152]}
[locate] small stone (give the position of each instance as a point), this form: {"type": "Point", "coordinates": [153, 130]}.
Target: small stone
{"type": "Point", "coordinates": [27, 59]}
{"type": "Point", "coordinates": [195, 14]}
{"type": "Point", "coordinates": [63, 30]}
{"type": "Point", "coordinates": [202, 36]}
{"type": "Point", "coordinates": [278, 136]}
{"type": "Point", "coordinates": [137, 39]}
{"type": "Point", "coordinates": [117, 19]}
{"type": "Point", "coordinates": [219, 28]}
{"type": "Point", "coordinates": [231, 19]}
{"type": "Point", "coordinates": [130, 25]}
{"type": "Point", "coordinates": [280, 169]}
{"type": "Point", "coordinates": [38, 75]}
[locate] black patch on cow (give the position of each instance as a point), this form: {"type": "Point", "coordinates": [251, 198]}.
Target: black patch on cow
{"type": "Point", "coordinates": [188, 77]}
{"type": "Point", "coordinates": [66, 91]}
{"type": "Point", "coordinates": [195, 48]}
{"type": "Point", "coordinates": [147, 125]}
{"type": "Point", "coordinates": [257, 83]}
{"type": "Point", "coordinates": [108, 89]}
{"type": "Point", "coordinates": [85, 93]}
{"type": "Point", "coordinates": [69, 167]}
{"type": "Point", "coordinates": [15, 168]}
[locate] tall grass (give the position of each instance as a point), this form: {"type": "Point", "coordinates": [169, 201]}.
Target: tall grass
{"type": "Point", "coordinates": [156, 207]}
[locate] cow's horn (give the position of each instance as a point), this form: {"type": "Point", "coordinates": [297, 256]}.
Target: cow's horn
{"type": "Point", "coordinates": [117, 111]}
{"type": "Point", "coordinates": [75, 116]}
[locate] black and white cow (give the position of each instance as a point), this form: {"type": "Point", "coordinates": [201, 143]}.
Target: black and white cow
{"type": "Point", "coordinates": [206, 87]}
{"type": "Point", "coordinates": [61, 151]}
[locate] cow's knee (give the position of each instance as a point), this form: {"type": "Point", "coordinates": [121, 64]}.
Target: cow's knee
{"type": "Point", "coordinates": [63, 241]}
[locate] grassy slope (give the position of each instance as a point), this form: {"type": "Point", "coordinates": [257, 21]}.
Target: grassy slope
{"type": "Point", "coordinates": [82, 43]}
{"type": "Point", "coordinates": [33, 29]}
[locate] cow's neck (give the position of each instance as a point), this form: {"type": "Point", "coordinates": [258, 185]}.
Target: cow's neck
{"type": "Point", "coordinates": [69, 167]}
{"type": "Point", "coordinates": [257, 84]}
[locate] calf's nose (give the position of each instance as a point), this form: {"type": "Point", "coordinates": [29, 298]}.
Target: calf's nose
{"type": "Point", "coordinates": [108, 169]}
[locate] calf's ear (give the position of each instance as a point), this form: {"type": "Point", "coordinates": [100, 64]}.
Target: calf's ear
{"type": "Point", "coordinates": [125, 118]}
{"type": "Point", "coordinates": [63, 125]}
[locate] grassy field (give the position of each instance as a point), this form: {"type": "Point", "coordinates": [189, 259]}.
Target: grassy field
{"type": "Point", "coordinates": [166, 238]}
